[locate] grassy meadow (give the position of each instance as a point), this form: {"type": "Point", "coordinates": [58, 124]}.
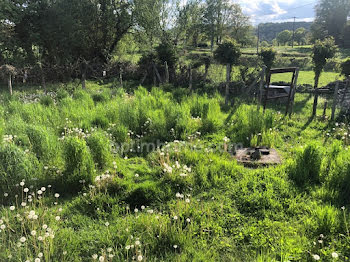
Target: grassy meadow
{"type": "Point", "coordinates": [171, 192]}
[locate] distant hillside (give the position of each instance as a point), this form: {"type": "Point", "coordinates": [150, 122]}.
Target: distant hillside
{"type": "Point", "coordinates": [269, 31]}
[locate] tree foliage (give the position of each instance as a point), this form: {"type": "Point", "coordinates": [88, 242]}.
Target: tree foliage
{"type": "Point", "coordinates": [268, 56]}
{"type": "Point", "coordinates": [331, 19]}
{"type": "Point", "coordinates": [284, 37]}
{"type": "Point", "coordinates": [345, 67]}
{"type": "Point", "coordinates": [321, 52]}
{"type": "Point", "coordinates": [227, 53]}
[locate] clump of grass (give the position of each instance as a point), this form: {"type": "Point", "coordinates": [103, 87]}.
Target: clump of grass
{"type": "Point", "coordinates": [39, 141]}
{"type": "Point", "coordinates": [99, 97]}
{"type": "Point", "coordinates": [16, 165]}
{"type": "Point", "coordinates": [46, 101]}
{"type": "Point", "coordinates": [247, 122]}
{"type": "Point", "coordinates": [79, 166]}
{"type": "Point", "coordinates": [307, 166]}
{"type": "Point", "coordinates": [100, 149]}
{"type": "Point", "coordinates": [100, 121]}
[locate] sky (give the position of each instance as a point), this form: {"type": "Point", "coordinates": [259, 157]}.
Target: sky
{"type": "Point", "coordinates": [262, 11]}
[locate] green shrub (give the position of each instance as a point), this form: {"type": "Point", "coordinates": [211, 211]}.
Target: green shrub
{"type": "Point", "coordinates": [100, 121]}
{"type": "Point", "coordinates": [268, 56]}
{"type": "Point", "coordinates": [247, 123]}
{"type": "Point", "coordinates": [345, 67]}
{"type": "Point", "coordinates": [100, 149]}
{"type": "Point", "coordinates": [16, 165]}
{"type": "Point", "coordinates": [119, 133]}
{"type": "Point", "coordinates": [46, 101]}
{"type": "Point", "coordinates": [99, 98]}
{"type": "Point", "coordinates": [39, 141]}
{"type": "Point", "coordinates": [78, 164]}
{"type": "Point", "coordinates": [338, 178]}
{"type": "Point", "coordinates": [327, 220]}
{"type": "Point", "coordinates": [145, 193]}
{"type": "Point", "coordinates": [307, 166]}
{"type": "Point", "coordinates": [61, 94]}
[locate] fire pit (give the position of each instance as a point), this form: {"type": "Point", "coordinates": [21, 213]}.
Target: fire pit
{"type": "Point", "coordinates": [257, 156]}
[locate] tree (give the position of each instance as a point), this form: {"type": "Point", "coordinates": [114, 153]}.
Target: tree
{"type": "Point", "coordinates": [189, 22]}
{"type": "Point", "coordinates": [321, 52]}
{"type": "Point", "coordinates": [300, 35]}
{"type": "Point", "coordinates": [7, 72]}
{"type": "Point", "coordinates": [65, 31]}
{"type": "Point", "coordinates": [331, 19]}
{"type": "Point", "coordinates": [228, 54]}
{"type": "Point", "coordinates": [238, 25]}
{"type": "Point", "coordinates": [284, 37]}
{"type": "Point", "coordinates": [210, 19]}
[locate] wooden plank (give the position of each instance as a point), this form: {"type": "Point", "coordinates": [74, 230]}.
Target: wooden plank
{"type": "Point", "coordinates": [283, 70]}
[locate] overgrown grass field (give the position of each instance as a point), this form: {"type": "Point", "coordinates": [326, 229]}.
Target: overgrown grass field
{"type": "Point", "coordinates": [69, 193]}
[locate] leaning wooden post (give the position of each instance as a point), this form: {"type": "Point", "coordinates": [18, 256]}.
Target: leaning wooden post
{"type": "Point", "coordinates": [190, 77]}
{"type": "Point", "coordinates": [324, 110]}
{"type": "Point", "coordinates": [295, 82]}
{"type": "Point", "coordinates": [261, 86]}
{"type": "Point", "coordinates": [335, 100]}
{"type": "Point", "coordinates": [9, 83]}
{"type": "Point", "coordinates": [166, 72]}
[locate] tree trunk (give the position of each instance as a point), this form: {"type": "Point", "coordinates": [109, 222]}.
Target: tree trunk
{"type": "Point", "coordinates": [83, 80]}
{"type": "Point", "coordinates": [83, 68]}
{"type": "Point", "coordinates": [206, 71]}
{"type": "Point", "coordinates": [9, 83]}
{"type": "Point", "coordinates": [228, 77]}
{"type": "Point", "coordinates": [317, 77]}
{"type": "Point", "coordinates": [166, 72]}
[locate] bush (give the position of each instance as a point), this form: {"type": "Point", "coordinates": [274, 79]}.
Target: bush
{"type": "Point", "coordinates": [339, 176]}
{"type": "Point", "coordinates": [227, 53]}
{"type": "Point", "coordinates": [119, 133]}
{"type": "Point", "coordinates": [78, 164]}
{"type": "Point", "coordinates": [99, 98]}
{"type": "Point", "coordinates": [166, 52]}
{"type": "Point", "coordinates": [306, 169]}
{"type": "Point", "coordinates": [46, 100]}
{"type": "Point", "coordinates": [15, 166]}
{"type": "Point", "coordinates": [247, 122]}
{"type": "Point", "coordinates": [39, 142]}
{"type": "Point", "coordinates": [268, 56]}
{"type": "Point", "coordinates": [327, 220]}
{"type": "Point", "coordinates": [100, 149]}
{"type": "Point", "coordinates": [100, 121]}
{"type": "Point", "coordinates": [61, 94]}
{"type": "Point", "coordinates": [345, 67]}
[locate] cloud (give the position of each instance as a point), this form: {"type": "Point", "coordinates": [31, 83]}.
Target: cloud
{"type": "Point", "coordinates": [262, 11]}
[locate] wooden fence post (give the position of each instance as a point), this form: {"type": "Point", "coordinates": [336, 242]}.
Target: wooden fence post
{"type": "Point", "coordinates": [324, 110]}
{"type": "Point", "coordinates": [166, 72]}
{"type": "Point", "coordinates": [335, 100]}
{"type": "Point", "coordinates": [261, 86]}
{"type": "Point", "coordinates": [9, 83]}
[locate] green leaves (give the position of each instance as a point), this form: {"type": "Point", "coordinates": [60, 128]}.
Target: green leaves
{"type": "Point", "coordinates": [227, 53]}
